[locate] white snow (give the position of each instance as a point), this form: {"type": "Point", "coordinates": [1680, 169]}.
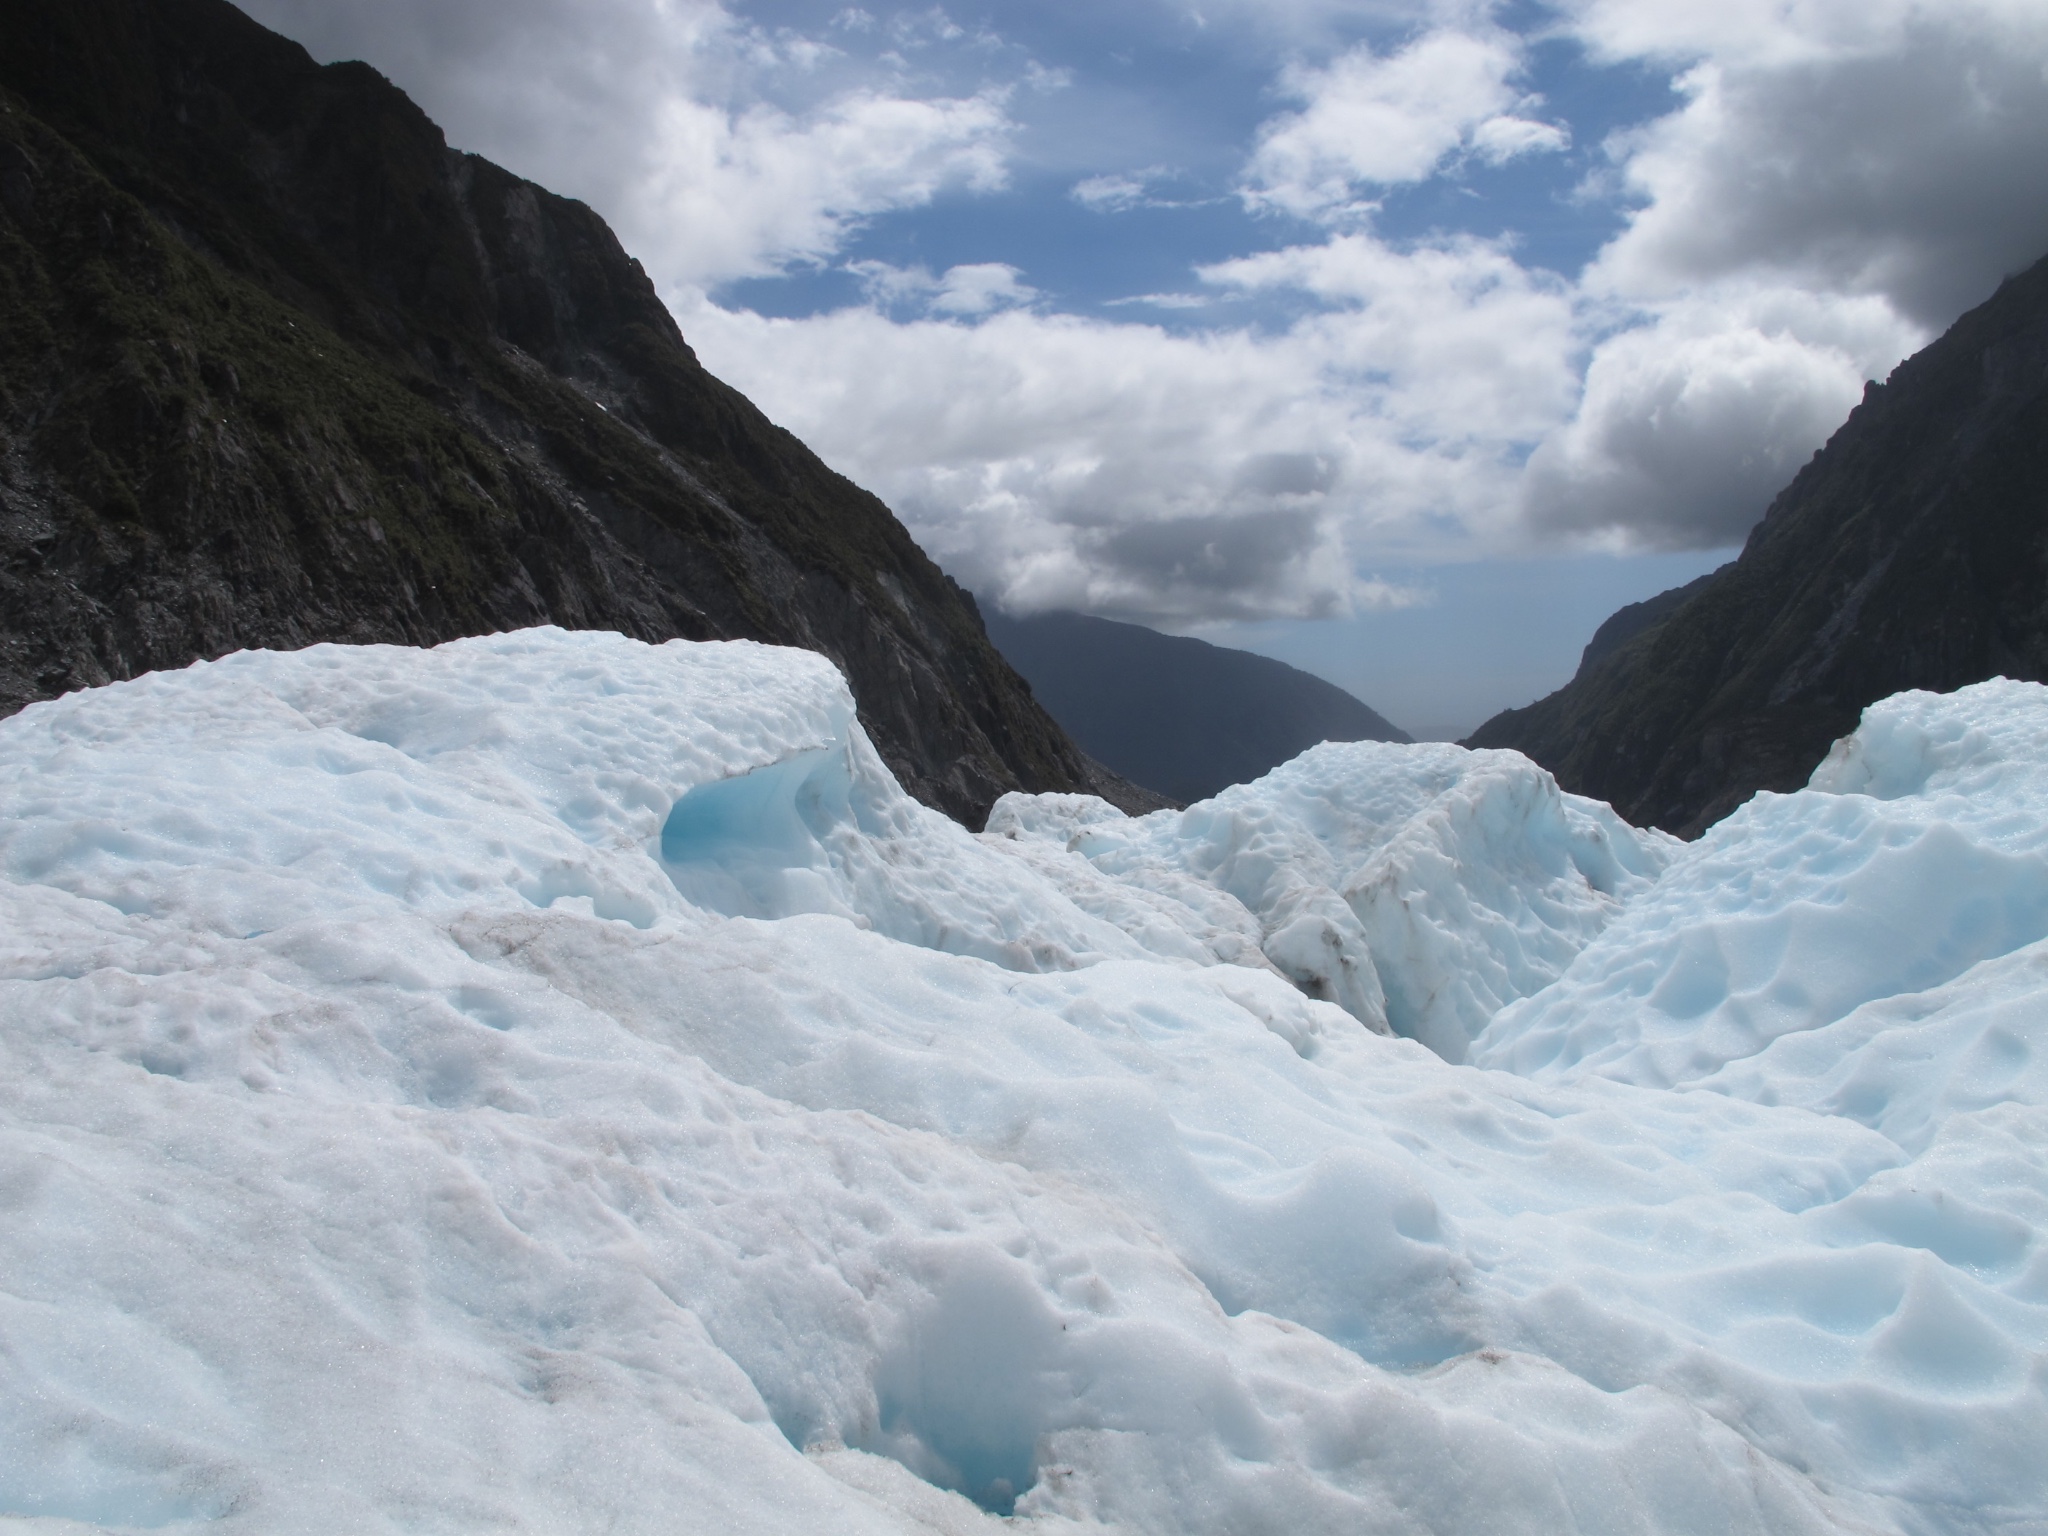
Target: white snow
{"type": "Point", "coordinates": [1920, 849]}
{"type": "Point", "coordinates": [551, 1083]}
{"type": "Point", "coordinates": [1421, 887]}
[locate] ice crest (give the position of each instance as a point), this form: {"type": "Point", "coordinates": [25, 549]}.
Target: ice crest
{"type": "Point", "coordinates": [1418, 887]}
{"type": "Point", "coordinates": [553, 1082]}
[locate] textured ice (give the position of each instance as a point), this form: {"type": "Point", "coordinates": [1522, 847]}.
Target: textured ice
{"type": "Point", "coordinates": [1920, 849]}
{"type": "Point", "coordinates": [1420, 887]}
{"type": "Point", "coordinates": [553, 1083]}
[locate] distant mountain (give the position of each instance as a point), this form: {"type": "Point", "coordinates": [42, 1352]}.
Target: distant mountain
{"type": "Point", "coordinates": [278, 366]}
{"type": "Point", "coordinates": [1176, 715]}
{"type": "Point", "coordinates": [1912, 552]}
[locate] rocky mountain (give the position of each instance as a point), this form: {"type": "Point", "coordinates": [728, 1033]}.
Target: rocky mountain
{"type": "Point", "coordinates": [1625, 623]}
{"type": "Point", "coordinates": [1175, 714]}
{"type": "Point", "coordinates": [1911, 552]}
{"type": "Point", "coordinates": [278, 366]}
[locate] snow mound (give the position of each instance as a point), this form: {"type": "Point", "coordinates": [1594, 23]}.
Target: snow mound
{"type": "Point", "coordinates": [556, 1083]}
{"type": "Point", "coordinates": [537, 768]}
{"type": "Point", "coordinates": [1419, 887]}
{"type": "Point", "coordinates": [1919, 850]}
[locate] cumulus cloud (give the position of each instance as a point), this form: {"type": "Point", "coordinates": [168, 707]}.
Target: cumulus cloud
{"type": "Point", "coordinates": [1452, 341]}
{"type": "Point", "coordinates": [1501, 139]}
{"type": "Point", "coordinates": [1050, 461]}
{"type": "Point", "coordinates": [1054, 461]}
{"type": "Point", "coordinates": [1373, 120]}
{"type": "Point", "coordinates": [1688, 426]}
{"type": "Point", "coordinates": [726, 195]}
{"type": "Point", "coordinates": [1841, 180]}
{"type": "Point", "coordinates": [979, 287]}
{"type": "Point", "coordinates": [1910, 167]}
{"type": "Point", "coordinates": [1774, 34]}
{"type": "Point", "coordinates": [975, 288]}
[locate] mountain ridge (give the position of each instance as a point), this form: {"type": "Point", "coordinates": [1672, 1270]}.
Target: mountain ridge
{"type": "Point", "coordinates": [1176, 714]}
{"type": "Point", "coordinates": [278, 366]}
{"type": "Point", "coordinates": [1910, 552]}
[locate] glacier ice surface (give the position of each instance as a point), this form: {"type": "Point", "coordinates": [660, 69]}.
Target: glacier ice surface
{"type": "Point", "coordinates": [555, 1083]}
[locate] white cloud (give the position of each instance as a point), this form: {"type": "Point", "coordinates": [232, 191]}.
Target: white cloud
{"type": "Point", "coordinates": [887, 286]}
{"type": "Point", "coordinates": [1166, 301]}
{"type": "Point", "coordinates": [933, 24]}
{"type": "Point", "coordinates": [979, 287]}
{"type": "Point", "coordinates": [1375, 121]}
{"type": "Point", "coordinates": [1689, 425]}
{"type": "Point", "coordinates": [717, 149]}
{"type": "Point", "coordinates": [1377, 596]}
{"type": "Point", "coordinates": [1913, 170]}
{"type": "Point", "coordinates": [725, 195]}
{"type": "Point", "coordinates": [1774, 34]}
{"type": "Point", "coordinates": [1110, 194]}
{"type": "Point", "coordinates": [1842, 178]}
{"type": "Point", "coordinates": [1156, 186]}
{"type": "Point", "coordinates": [1455, 341]}
{"type": "Point", "coordinates": [1501, 139]}
{"type": "Point", "coordinates": [1305, 24]}
{"type": "Point", "coordinates": [1052, 461]}
{"type": "Point", "coordinates": [1841, 181]}
{"type": "Point", "coordinates": [976, 288]}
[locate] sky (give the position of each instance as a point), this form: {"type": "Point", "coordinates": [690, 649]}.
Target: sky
{"type": "Point", "coordinates": [1401, 339]}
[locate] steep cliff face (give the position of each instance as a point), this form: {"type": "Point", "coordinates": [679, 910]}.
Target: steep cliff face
{"type": "Point", "coordinates": [277, 366]}
{"type": "Point", "coordinates": [1912, 552]}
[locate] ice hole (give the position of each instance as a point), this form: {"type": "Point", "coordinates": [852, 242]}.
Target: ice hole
{"type": "Point", "coordinates": [754, 811]}
{"type": "Point", "coordinates": [748, 846]}
{"type": "Point", "coordinates": [86, 1480]}
{"type": "Point", "coordinates": [963, 1395]}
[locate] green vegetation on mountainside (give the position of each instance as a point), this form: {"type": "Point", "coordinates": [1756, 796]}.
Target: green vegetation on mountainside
{"type": "Point", "coordinates": [277, 366]}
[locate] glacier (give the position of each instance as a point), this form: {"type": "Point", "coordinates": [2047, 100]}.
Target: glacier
{"type": "Point", "coordinates": [553, 1083]}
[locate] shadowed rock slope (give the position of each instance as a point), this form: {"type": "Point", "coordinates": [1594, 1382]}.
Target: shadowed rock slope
{"type": "Point", "coordinates": [1911, 552]}
{"type": "Point", "coordinates": [277, 366]}
{"type": "Point", "coordinates": [1174, 714]}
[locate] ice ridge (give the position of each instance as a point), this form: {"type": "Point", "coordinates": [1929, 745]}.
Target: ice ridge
{"type": "Point", "coordinates": [550, 1082]}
